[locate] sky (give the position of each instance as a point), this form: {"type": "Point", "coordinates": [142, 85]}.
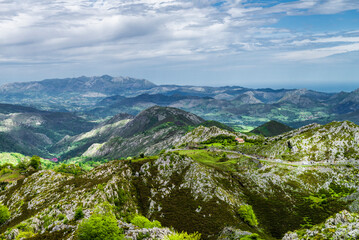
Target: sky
{"type": "Point", "coordinates": [310, 44]}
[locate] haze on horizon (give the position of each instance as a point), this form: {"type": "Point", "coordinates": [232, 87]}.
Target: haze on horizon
{"type": "Point", "coordinates": [275, 43]}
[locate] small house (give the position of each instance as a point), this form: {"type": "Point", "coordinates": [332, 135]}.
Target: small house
{"type": "Point", "coordinates": [240, 140]}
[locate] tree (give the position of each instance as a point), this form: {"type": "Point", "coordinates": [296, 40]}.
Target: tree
{"type": "Point", "coordinates": [35, 162]}
{"type": "Point", "coordinates": [4, 213]}
{"type": "Point", "coordinates": [100, 227]}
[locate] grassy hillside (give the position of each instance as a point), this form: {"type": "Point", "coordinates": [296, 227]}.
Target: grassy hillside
{"type": "Point", "coordinates": [209, 183]}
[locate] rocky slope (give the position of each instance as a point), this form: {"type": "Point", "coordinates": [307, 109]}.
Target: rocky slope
{"type": "Point", "coordinates": [152, 130]}
{"type": "Point", "coordinates": [182, 191]}
{"type": "Point", "coordinates": [331, 143]}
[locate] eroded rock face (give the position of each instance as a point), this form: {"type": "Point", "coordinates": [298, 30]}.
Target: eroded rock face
{"type": "Point", "coordinates": [133, 232]}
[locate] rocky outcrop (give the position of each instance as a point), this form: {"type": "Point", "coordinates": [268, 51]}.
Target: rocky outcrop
{"type": "Point", "coordinates": [343, 225]}
{"type": "Point", "coordinates": [331, 143]}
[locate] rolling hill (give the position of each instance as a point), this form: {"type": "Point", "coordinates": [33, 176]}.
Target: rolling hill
{"type": "Point", "coordinates": [271, 128]}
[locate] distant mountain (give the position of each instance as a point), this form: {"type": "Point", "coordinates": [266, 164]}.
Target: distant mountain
{"type": "Point", "coordinates": [236, 107]}
{"type": "Point", "coordinates": [305, 98]}
{"type": "Point", "coordinates": [70, 94]}
{"type": "Point", "coordinates": [265, 95]}
{"type": "Point", "coordinates": [98, 98]}
{"type": "Point", "coordinates": [30, 131]}
{"type": "Point", "coordinates": [345, 102]}
{"type": "Point", "coordinates": [99, 85]}
{"type": "Point", "coordinates": [271, 128]}
{"type": "Point", "coordinates": [248, 98]}
{"type": "Point", "coordinates": [133, 105]}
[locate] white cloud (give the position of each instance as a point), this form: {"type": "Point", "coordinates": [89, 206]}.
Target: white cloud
{"type": "Point", "coordinates": [318, 52]}
{"type": "Point", "coordinates": [337, 39]}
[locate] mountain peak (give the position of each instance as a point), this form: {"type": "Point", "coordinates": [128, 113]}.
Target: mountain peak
{"type": "Point", "coordinates": [158, 115]}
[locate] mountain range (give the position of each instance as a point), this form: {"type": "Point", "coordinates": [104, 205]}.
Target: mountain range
{"type": "Point", "coordinates": [242, 108]}
{"type": "Point", "coordinates": [263, 188]}
{"type": "Point", "coordinates": [168, 162]}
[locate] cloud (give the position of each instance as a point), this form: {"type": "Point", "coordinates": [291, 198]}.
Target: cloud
{"type": "Point", "coordinates": [110, 31]}
{"type": "Point", "coordinates": [319, 52]}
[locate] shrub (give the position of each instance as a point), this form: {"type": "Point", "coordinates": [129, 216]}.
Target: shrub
{"type": "Point", "coordinates": [79, 213]}
{"type": "Point", "coordinates": [253, 236]}
{"type": "Point", "coordinates": [143, 222]}
{"type": "Point", "coordinates": [21, 165]}
{"type": "Point", "coordinates": [47, 220]}
{"type": "Point", "coordinates": [100, 187]}
{"type": "Point", "coordinates": [25, 235]}
{"type": "Point", "coordinates": [61, 217]}
{"type": "Point", "coordinates": [183, 236]}
{"type": "Point", "coordinates": [100, 227]}
{"type": "Point", "coordinates": [35, 162]}
{"type": "Point", "coordinates": [4, 214]}
{"type": "Point", "coordinates": [247, 214]}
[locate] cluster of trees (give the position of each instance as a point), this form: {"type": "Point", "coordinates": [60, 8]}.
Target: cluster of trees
{"type": "Point", "coordinates": [35, 163]}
